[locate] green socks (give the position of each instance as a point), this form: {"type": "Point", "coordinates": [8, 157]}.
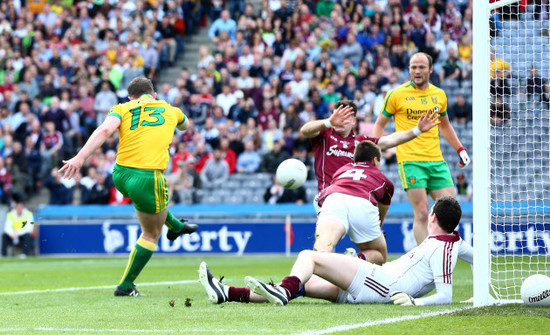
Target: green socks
{"type": "Point", "coordinates": [172, 223]}
{"type": "Point", "coordinates": [140, 255]}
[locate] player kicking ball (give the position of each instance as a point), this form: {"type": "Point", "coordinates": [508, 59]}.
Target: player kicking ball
{"type": "Point", "coordinates": [342, 279]}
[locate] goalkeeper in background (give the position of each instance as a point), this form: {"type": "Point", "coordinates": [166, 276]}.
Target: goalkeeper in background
{"type": "Point", "coordinates": [343, 279]}
{"type": "Point", "coordinates": [422, 168]}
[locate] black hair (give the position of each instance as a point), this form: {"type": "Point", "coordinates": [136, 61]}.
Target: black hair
{"type": "Point", "coordinates": [140, 86]}
{"type": "Point", "coordinates": [366, 151]}
{"type": "Point", "coordinates": [347, 103]}
{"type": "Point", "coordinates": [448, 213]}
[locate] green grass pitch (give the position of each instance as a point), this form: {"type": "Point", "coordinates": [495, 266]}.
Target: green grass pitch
{"type": "Point", "coordinates": [75, 296]}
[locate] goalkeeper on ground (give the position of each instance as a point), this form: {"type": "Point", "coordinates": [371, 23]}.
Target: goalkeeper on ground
{"type": "Point", "coordinates": [343, 279]}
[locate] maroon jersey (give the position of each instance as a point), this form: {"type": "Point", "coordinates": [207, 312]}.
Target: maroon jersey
{"type": "Point", "coordinates": [360, 179]}
{"type": "Point", "coordinates": [333, 151]}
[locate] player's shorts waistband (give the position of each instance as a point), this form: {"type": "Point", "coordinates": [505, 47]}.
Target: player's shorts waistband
{"type": "Point", "coordinates": [135, 170]}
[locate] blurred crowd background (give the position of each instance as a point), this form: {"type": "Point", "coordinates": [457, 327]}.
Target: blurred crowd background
{"type": "Point", "coordinates": [270, 67]}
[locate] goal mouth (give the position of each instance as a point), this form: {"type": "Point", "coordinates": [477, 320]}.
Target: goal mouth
{"type": "Point", "coordinates": [514, 177]}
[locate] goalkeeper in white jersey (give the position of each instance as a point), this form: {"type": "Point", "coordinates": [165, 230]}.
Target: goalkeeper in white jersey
{"type": "Point", "coordinates": [344, 279]}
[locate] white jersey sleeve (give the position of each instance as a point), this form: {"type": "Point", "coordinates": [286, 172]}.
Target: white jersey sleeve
{"type": "Point", "coordinates": [443, 295]}
{"type": "Point", "coordinates": [466, 252]}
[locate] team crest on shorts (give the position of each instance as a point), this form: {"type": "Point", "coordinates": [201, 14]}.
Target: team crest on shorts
{"type": "Point", "coordinates": [434, 100]}
{"type": "Point", "coordinates": [412, 180]}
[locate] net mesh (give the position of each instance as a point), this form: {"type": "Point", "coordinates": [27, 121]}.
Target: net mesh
{"type": "Point", "coordinates": [520, 147]}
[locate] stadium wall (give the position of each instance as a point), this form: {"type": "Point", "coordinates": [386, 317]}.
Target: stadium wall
{"type": "Point", "coordinates": [224, 229]}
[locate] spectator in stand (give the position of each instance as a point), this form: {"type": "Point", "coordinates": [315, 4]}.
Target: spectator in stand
{"type": "Point", "coordinates": [51, 146]}
{"type": "Point", "coordinates": [223, 23]}
{"type": "Point", "coordinates": [270, 136]}
{"type": "Point", "coordinates": [450, 13]}
{"type": "Point", "coordinates": [267, 114]}
{"type": "Point", "coordinates": [168, 42]}
{"type": "Point", "coordinates": [101, 191]}
{"type": "Point", "coordinates": [463, 188]}
{"type": "Point", "coordinates": [277, 194]}
{"type": "Point", "coordinates": [351, 49]}
{"type": "Point", "coordinates": [228, 154]}
{"type": "Point", "coordinates": [535, 84]}
{"type": "Point", "coordinates": [443, 46]}
{"type": "Point", "coordinates": [272, 159]}
{"type": "Point", "coordinates": [249, 160]}
{"type": "Point", "coordinates": [216, 170]}
{"type": "Point", "coordinates": [461, 111]}
{"type": "Point", "coordinates": [104, 100]}
{"type": "Point", "coordinates": [6, 183]}
{"type": "Point", "coordinates": [417, 32]}
{"type": "Point", "coordinates": [457, 30]}
{"type": "Point", "coordinates": [452, 69]}
{"type": "Point", "coordinates": [226, 99]}
{"type": "Point", "coordinates": [500, 112]}
{"type": "Point", "coordinates": [500, 72]}
{"type": "Point", "coordinates": [59, 193]}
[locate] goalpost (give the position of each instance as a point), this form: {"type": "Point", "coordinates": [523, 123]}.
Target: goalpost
{"type": "Point", "coordinates": [511, 159]}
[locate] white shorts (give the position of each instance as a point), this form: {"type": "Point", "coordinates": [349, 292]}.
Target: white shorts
{"type": "Point", "coordinates": [370, 285]}
{"type": "Point", "coordinates": [316, 204]}
{"type": "Point", "coordinates": [359, 216]}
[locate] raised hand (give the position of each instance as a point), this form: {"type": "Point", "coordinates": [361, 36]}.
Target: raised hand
{"type": "Point", "coordinates": [341, 116]}
{"type": "Point", "coordinates": [428, 120]}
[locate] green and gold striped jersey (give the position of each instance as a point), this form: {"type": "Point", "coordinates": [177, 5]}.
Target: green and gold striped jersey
{"type": "Point", "coordinates": [146, 130]}
{"type": "Point", "coordinates": [405, 104]}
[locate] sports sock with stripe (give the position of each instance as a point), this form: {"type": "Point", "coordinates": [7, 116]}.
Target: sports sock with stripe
{"type": "Point", "coordinates": [292, 284]}
{"type": "Point", "coordinates": [172, 223]}
{"type": "Point", "coordinates": [140, 255]}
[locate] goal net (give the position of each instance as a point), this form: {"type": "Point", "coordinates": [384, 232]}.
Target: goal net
{"type": "Point", "coordinates": [518, 148]}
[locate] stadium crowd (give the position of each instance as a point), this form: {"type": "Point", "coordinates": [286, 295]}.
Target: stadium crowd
{"type": "Point", "coordinates": [64, 64]}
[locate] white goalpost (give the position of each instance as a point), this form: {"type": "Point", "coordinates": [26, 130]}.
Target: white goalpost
{"type": "Point", "coordinates": [511, 149]}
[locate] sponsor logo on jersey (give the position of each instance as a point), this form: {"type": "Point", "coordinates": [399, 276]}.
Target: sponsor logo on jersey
{"type": "Point", "coordinates": [333, 151]}
{"type": "Point", "coordinates": [412, 180]}
{"type": "Point", "coordinates": [410, 99]}
{"type": "Point", "coordinates": [434, 100]}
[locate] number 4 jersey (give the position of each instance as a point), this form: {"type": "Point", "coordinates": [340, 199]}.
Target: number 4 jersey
{"type": "Point", "coordinates": [360, 179]}
{"type": "Point", "coordinates": [145, 132]}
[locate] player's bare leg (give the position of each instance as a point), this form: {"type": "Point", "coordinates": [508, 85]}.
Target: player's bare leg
{"type": "Point", "coordinates": [337, 269]}
{"type": "Point", "coordinates": [443, 192]}
{"type": "Point", "coordinates": [328, 232]}
{"type": "Point", "coordinates": [419, 201]}
{"type": "Point", "coordinates": [376, 251]}
{"type": "Point", "coordinates": [151, 226]}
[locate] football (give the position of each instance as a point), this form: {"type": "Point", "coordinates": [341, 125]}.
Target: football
{"type": "Point", "coordinates": [291, 173]}
{"type": "Point", "coordinates": [535, 290]}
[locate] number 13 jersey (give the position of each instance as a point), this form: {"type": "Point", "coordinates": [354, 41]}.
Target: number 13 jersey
{"type": "Point", "coordinates": [145, 132]}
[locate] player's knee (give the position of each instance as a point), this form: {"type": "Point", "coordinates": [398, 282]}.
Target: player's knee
{"type": "Point", "coordinates": [421, 215]}
{"type": "Point", "coordinates": [323, 244]}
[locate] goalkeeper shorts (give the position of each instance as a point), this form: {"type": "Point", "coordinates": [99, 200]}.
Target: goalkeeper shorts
{"type": "Point", "coordinates": [146, 188]}
{"type": "Point", "coordinates": [428, 175]}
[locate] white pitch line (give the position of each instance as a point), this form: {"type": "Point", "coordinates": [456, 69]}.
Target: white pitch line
{"type": "Point", "coordinates": [125, 331]}
{"type": "Point", "coordinates": [69, 289]}
{"type": "Point", "coordinates": [379, 322]}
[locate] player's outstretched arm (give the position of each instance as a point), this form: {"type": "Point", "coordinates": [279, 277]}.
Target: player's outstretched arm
{"type": "Point", "coordinates": [104, 131]}
{"type": "Point", "coordinates": [340, 117]}
{"type": "Point", "coordinates": [378, 128]}
{"type": "Point", "coordinates": [448, 132]}
{"type": "Point", "coordinates": [426, 122]}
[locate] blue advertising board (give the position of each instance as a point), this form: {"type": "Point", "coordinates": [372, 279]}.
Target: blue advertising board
{"type": "Point", "coordinates": [105, 237]}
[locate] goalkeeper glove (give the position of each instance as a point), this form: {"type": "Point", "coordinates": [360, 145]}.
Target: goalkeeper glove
{"type": "Point", "coordinates": [464, 158]}
{"type": "Point", "coordinates": [402, 298]}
